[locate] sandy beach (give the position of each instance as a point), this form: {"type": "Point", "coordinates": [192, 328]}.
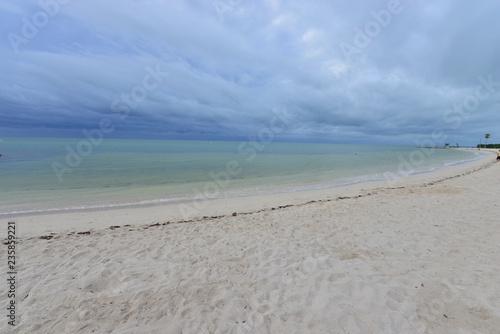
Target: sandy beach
{"type": "Point", "coordinates": [414, 255]}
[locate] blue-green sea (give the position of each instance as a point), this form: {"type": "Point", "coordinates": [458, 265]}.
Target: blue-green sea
{"type": "Point", "coordinates": [59, 174]}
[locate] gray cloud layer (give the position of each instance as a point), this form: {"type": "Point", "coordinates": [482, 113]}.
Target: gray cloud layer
{"type": "Point", "coordinates": [357, 71]}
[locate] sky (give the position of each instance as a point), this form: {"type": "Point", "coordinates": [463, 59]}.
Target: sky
{"type": "Point", "coordinates": [382, 72]}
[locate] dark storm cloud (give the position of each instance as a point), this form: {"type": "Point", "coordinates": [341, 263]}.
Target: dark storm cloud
{"type": "Point", "coordinates": [68, 64]}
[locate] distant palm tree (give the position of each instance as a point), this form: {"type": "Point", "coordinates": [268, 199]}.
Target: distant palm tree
{"type": "Point", "coordinates": [486, 136]}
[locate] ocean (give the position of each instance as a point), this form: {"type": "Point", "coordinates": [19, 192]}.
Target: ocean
{"type": "Point", "coordinates": [60, 174]}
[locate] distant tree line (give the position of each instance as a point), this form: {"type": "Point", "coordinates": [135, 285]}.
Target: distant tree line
{"type": "Point", "coordinates": [488, 146]}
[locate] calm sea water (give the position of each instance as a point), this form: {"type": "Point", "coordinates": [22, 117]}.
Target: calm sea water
{"type": "Point", "coordinates": [48, 174]}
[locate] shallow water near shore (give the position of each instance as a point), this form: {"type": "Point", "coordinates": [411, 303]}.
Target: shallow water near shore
{"type": "Point", "coordinates": [51, 175]}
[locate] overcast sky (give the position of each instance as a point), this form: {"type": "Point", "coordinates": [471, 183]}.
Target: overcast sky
{"type": "Point", "coordinates": [337, 71]}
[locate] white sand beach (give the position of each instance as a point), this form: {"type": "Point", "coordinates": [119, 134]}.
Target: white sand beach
{"type": "Point", "coordinates": [416, 255]}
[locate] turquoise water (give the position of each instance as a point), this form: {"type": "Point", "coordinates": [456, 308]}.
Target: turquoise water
{"type": "Point", "coordinates": [48, 174]}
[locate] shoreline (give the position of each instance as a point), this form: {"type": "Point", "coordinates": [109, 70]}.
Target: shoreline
{"type": "Point", "coordinates": [101, 218]}
{"type": "Point", "coordinates": [273, 189]}
{"type": "Point", "coordinates": [61, 201]}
